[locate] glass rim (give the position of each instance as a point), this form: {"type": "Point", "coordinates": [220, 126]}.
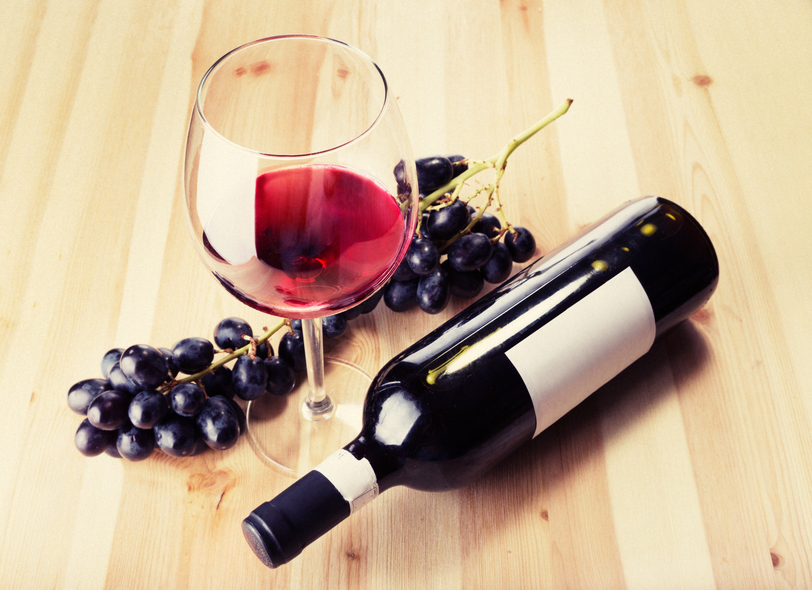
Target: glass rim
{"type": "Point", "coordinates": [329, 40]}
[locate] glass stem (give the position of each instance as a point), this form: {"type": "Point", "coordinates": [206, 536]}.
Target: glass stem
{"type": "Point", "coordinates": [318, 405]}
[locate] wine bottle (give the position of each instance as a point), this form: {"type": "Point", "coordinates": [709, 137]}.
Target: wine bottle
{"type": "Point", "coordinates": [451, 406]}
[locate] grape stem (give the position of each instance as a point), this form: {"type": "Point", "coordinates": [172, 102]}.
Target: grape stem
{"type": "Point", "coordinates": [498, 161]}
{"type": "Point", "coordinates": [248, 348]}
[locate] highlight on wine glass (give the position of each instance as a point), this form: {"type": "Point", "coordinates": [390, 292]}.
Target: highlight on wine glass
{"type": "Point", "coordinates": [301, 196]}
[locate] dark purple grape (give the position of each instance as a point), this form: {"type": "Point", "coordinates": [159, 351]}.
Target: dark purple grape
{"type": "Point", "coordinates": [296, 325]}
{"type": "Point", "coordinates": [458, 164]}
{"type": "Point", "coordinates": [499, 265]}
{"type": "Point", "coordinates": [249, 377]}
{"type": "Point", "coordinates": [351, 313]}
{"type": "Point", "coordinates": [92, 441]}
{"type": "Point", "coordinates": [200, 446]}
{"type": "Point", "coordinates": [422, 256]}
{"type": "Point", "coordinates": [187, 399]}
{"type": "Point", "coordinates": [445, 223]}
{"type": "Point", "coordinates": [144, 365]}
{"type": "Point", "coordinates": [109, 410]}
{"type": "Point", "coordinates": [193, 354]}
{"type": "Point", "coordinates": [400, 172]}
{"type": "Point", "coordinates": [333, 326]}
{"type": "Point", "coordinates": [218, 382]}
{"type": "Point", "coordinates": [235, 408]}
{"type": "Point", "coordinates": [175, 435]}
{"type": "Point", "coordinates": [464, 285]}
{"type": "Point", "coordinates": [170, 361]}
{"type": "Point", "coordinates": [240, 414]}
{"type": "Point", "coordinates": [404, 272]}
{"type": "Point", "coordinates": [521, 246]}
{"type": "Point", "coordinates": [291, 348]}
{"type": "Point", "coordinates": [135, 444]}
{"type": "Point", "coordinates": [110, 358]}
{"type": "Point", "coordinates": [147, 409]}
{"type": "Point", "coordinates": [432, 173]}
{"type": "Point", "coordinates": [401, 295]}
{"type": "Point", "coordinates": [112, 450]}
{"type": "Point", "coordinates": [404, 187]}
{"type": "Point", "coordinates": [120, 382]}
{"type": "Point", "coordinates": [229, 333]}
{"type": "Point", "coordinates": [217, 425]}
{"type": "Point", "coordinates": [369, 305]}
{"type": "Point", "coordinates": [222, 401]}
{"type": "Point", "coordinates": [470, 252]}
{"type": "Point", "coordinates": [488, 224]}
{"type": "Point", "coordinates": [424, 225]}
{"type": "Point", "coordinates": [433, 291]}
{"type": "Point", "coordinates": [82, 393]}
{"type": "Point", "coordinates": [264, 350]}
{"type": "Point", "coordinates": [281, 378]}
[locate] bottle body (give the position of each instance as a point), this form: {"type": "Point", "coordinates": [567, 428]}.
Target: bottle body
{"type": "Point", "coordinates": [451, 406]}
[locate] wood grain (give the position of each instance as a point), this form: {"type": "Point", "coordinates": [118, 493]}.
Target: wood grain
{"type": "Point", "coordinates": [690, 470]}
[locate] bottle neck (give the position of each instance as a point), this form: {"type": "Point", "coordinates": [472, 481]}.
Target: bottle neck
{"type": "Point", "coordinates": [385, 465]}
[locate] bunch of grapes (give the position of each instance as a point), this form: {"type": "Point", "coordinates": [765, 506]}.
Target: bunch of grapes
{"type": "Point", "coordinates": [181, 400]}
{"type": "Point", "coordinates": [457, 248]}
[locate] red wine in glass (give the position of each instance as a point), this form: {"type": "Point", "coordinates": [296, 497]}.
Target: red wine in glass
{"type": "Point", "coordinates": [325, 238]}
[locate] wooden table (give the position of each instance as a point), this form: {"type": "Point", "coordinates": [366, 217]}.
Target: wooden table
{"type": "Point", "coordinates": [693, 469]}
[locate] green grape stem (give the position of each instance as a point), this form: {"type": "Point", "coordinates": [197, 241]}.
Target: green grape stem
{"type": "Point", "coordinates": [249, 348]}
{"type": "Point", "coordinates": [498, 162]}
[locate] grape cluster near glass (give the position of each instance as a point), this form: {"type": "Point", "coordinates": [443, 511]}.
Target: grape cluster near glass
{"type": "Point", "coordinates": [458, 247]}
{"type": "Point", "coordinates": [181, 400]}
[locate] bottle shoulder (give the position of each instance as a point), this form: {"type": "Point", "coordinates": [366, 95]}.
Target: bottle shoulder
{"type": "Point", "coordinates": [437, 437]}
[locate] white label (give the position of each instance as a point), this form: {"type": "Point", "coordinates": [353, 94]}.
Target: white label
{"type": "Point", "coordinates": [584, 347]}
{"type": "Point", "coordinates": [353, 478]}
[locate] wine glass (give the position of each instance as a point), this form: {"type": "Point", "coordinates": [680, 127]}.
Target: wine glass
{"type": "Point", "coordinates": [301, 196]}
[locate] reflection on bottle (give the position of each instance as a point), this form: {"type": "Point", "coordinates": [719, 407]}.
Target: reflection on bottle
{"type": "Point", "coordinates": [398, 415]}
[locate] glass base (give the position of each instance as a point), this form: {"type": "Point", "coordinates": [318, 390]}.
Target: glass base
{"type": "Point", "coordinates": [282, 437]}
